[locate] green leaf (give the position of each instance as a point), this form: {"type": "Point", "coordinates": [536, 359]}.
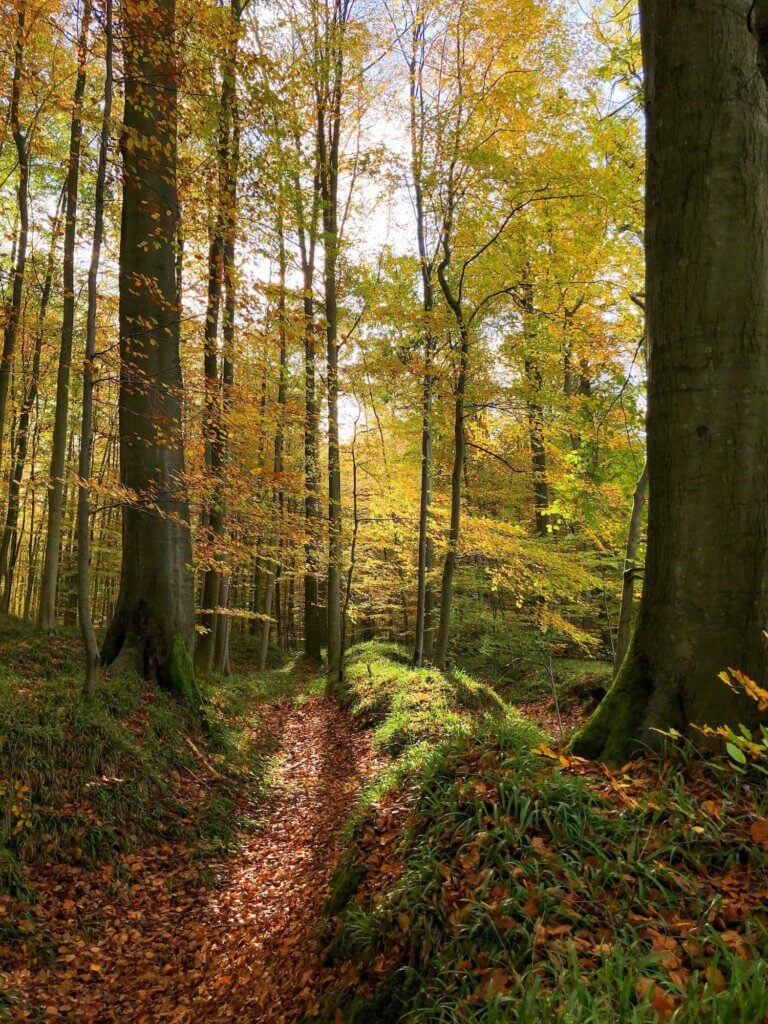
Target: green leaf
{"type": "Point", "coordinates": [738, 755]}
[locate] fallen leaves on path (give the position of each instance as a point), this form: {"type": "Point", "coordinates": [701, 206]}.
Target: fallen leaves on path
{"type": "Point", "coordinates": [149, 942]}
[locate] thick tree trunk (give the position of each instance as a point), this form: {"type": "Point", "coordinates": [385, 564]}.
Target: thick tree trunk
{"type": "Point", "coordinates": [85, 615]}
{"type": "Point", "coordinates": [624, 628]}
{"type": "Point", "coordinates": [13, 308]}
{"type": "Point", "coordinates": [46, 618]}
{"type": "Point", "coordinates": [705, 599]}
{"type": "Point", "coordinates": [153, 624]}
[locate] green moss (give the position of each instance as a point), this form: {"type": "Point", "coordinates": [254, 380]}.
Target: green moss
{"type": "Point", "coordinates": [181, 675]}
{"type": "Point", "coordinates": [614, 732]}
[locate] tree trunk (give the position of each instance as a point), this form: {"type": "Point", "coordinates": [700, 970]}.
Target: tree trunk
{"type": "Point", "coordinates": [538, 451]}
{"type": "Point", "coordinates": [13, 308]}
{"type": "Point", "coordinates": [154, 619]}
{"type": "Point", "coordinates": [312, 623]}
{"type": "Point", "coordinates": [705, 598]}
{"type": "Point", "coordinates": [272, 594]}
{"type": "Point", "coordinates": [46, 618]}
{"type": "Point", "coordinates": [454, 533]}
{"type": "Point", "coordinates": [85, 615]}
{"type": "Point", "coordinates": [329, 178]}
{"type": "Point", "coordinates": [624, 628]}
{"type": "Point", "coordinates": [417, 129]}
{"type": "Point", "coordinates": [220, 277]}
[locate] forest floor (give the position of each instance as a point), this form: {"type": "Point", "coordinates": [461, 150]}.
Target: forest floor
{"type": "Point", "coordinates": [163, 946]}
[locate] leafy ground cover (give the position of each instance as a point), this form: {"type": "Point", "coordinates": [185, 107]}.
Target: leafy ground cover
{"type": "Point", "coordinates": [97, 795]}
{"type": "Point", "coordinates": [495, 883]}
{"type": "Point", "coordinates": [411, 709]}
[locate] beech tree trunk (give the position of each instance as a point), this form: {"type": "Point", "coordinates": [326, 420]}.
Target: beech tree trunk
{"type": "Point", "coordinates": [13, 308]}
{"type": "Point", "coordinates": [85, 615]}
{"type": "Point", "coordinates": [329, 139]}
{"type": "Point", "coordinates": [153, 623]}
{"type": "Point", "coordinates": [46, 619]}
{"type": "Point", "coordinates": [454, 532]}
{"type": "Point", "coordinates": [220, 277]}
{"type": "Point", "coordinates": [424, 597]}
{"type": "Point", "coordinates": [705, 598]}
{"type": "Point", "coordinates": [624, 629]}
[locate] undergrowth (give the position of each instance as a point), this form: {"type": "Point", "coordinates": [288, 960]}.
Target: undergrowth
{"type": "Point", "coordinates": [412, 707]}
{"type": "Point", "coordinates": [82, 782]}
{"type": "Point", "coordinates": [495, 884]}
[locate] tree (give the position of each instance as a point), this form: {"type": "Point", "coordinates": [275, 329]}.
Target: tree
{"type": "Point", "coordinates": [153, 624]}
{"type": "Point", "coordinates": [20, 138]}
{"type": "Point", "coordinates": [85, 614]}
{"type": "Point", "coordinates": [705, 603]}
{"type": "Point", "coordinates": [46, 619]}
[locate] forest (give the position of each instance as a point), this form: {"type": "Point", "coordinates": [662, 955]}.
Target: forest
{"type": "Point", "coordinates": [384, 511]}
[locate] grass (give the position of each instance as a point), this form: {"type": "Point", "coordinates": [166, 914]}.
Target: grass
{"type": "Point", "coordinates": [83, 782]}
{"type": "Point", "coordinates": [514, 886]}
{"type": "Point", "coordinates": [412, 708]}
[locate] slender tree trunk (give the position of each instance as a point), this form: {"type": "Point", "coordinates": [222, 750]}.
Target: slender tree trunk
{"type": "Point", "coordinates": [624, 628]}
{"type": "Point", "coordinates": [424, 598]}
{"type": "Point", "coordinates": [85, 614]}
{"type": "Point", "coordinates": [538, 449]}
{"type": "Point", "coordinates": [13, 308]}
{"type": "Point", "coordinates": [272, 594]}
{"type": "Point", "coordinates": [312, 624]}
{"type": "Point", "coordinates": [154, 620]}
{"type": "Point", "coordinates": [329, 175]}
{"type": "Point", "coordinates": [49, 582]}
{"type": "Point", "coordinates": [705, 596]}
{"type": "Point", "coordinates": [454, 532]}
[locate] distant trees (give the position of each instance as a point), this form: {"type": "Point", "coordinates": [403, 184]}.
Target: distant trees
{"type": "Point", "coordinates": [399, 365]}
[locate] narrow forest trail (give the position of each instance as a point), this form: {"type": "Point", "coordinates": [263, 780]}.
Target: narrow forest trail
{"type": "Point", "coordinates": [165, 948]}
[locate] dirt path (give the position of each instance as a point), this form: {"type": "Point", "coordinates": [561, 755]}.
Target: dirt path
{"type": "Point", "coordinates": [166, 949]}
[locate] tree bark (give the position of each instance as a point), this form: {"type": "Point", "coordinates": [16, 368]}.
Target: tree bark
{"type": "Point", "coordinates": [705, 599]}
{"type": "Point", "coordinates": [13, 308]}
{"type": "Point", "coordinates": [329, 140]}
{"type": "Point", "coordinates": [85, 614]}
{"type": "Point", "coordinates": [624, 628]}
{"type": "Point", "coordinates": [214, 430]}
{"type": "Point", "coordinates": [271, 592]}
{"type": "Point", "coordinates": [424, 599]}
{"type": "Point", "coordinates": [153, 623]}
{"type": "Point", "coordinates": [454, 531]}
{"type": "Point", "coordinates": [46, 618]}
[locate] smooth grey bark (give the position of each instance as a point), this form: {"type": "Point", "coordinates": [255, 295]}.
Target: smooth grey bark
{"type": "Point", "coordinates": [705, 598]}
{"type": "Point", "coordinates": [153, 624]}
{"type": "Point", "coordinates": [424, 597]}
{"type": "Point", "coordinates": [313, 632]}
{"type": "Point", "coordinates": [46, 616]}
{"type": "Point", "coordinates": [278, 498]}
{"type": "Point", "coordinates": [220, 279]}
{"type": "Point", "coordinates": [329, 141]}
{"type": "Point", "coordinates": [85, 614]}
{"type": "Point", "coordinates": [634, 536]}
{"type": "Point", "coordinates": [13, 307]}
